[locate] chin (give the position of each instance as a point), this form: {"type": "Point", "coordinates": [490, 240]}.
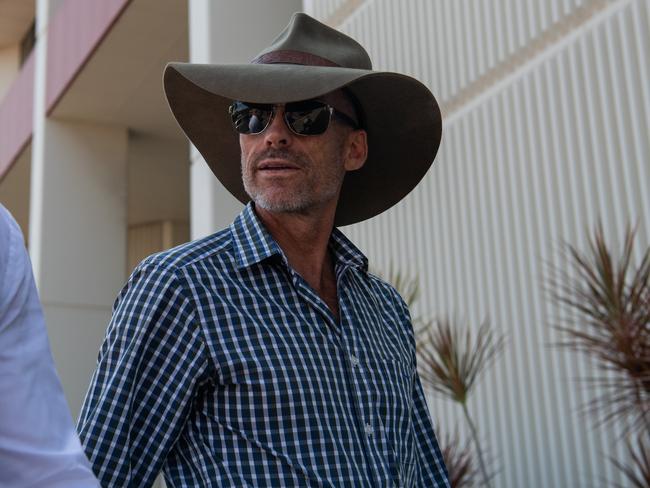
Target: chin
{"type": "Point", "coordinates": [280, 206]}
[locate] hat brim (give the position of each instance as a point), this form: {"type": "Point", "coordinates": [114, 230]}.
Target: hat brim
{"type": "Point", "coordinates": [400, 115]}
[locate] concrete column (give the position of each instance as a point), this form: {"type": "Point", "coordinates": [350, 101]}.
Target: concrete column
{"type": "Point", "coordinates": [77, 230]}
{"type": "Point", "coordinates": [80, 242]}
{"type": "Point", "coordinates": [223, 31]}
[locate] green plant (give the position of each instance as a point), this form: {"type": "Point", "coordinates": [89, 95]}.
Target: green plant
{"type": "Point", "coordinates": [451, 361]}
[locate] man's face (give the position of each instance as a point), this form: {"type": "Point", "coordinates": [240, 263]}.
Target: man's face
{"type": "Point", "coordinates": [284, 172]}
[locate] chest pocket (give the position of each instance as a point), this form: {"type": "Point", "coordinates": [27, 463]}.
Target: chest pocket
{"type": "Point", "coordinates": [286, 407]}
{"type": "Point", "coordinates": [391, 382]}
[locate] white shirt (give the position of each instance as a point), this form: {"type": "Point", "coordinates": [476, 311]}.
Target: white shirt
{"type": "Point", "coordinates": [39, 446]}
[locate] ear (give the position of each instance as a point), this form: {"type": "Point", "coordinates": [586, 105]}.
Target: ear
{"type": "Point", "coordinates": [357, 150]}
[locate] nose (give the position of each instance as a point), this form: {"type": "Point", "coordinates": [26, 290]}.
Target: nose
{"type": "Point", "coordinates": [277, 134]}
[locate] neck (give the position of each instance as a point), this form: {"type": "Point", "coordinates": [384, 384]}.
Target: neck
{"type": "Point", "coordinates": [303, 239]}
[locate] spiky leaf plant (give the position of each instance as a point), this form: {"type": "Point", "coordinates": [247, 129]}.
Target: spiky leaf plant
{"type": "Point", "coordinates": [451, 361]}
{"type": "Point", "coordinates": [608, 300]}
{"type": "Point", "coordinates": [459, 461]}
{"type": "Point", "coordinates": [637, 471]}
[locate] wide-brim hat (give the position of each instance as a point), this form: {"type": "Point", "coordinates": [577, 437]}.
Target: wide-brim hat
{"type": "Point", "coordinates": [309, 59]}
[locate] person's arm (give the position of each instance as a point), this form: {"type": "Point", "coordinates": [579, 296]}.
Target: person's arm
{"type": "Point", "coordinates": [432, 466]}
{"type": "Point", "coordinates": [433, 471]}
{"type": "Point", "coordinates": [151, 365]}
{"type": "Point", "coordinates": [38, 442]}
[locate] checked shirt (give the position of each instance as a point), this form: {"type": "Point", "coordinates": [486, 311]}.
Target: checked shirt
{"type": "Point", "coordinates": [222, 367]}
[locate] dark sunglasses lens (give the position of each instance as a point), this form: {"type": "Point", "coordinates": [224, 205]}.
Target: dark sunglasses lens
{"type": "Point", "coordinates": [307, 118]}
{"type": "Point", "coordinates": [250, 119]}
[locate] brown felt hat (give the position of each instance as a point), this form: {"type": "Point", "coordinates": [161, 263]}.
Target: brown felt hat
{"type": "Point", "coordinates": [309, 59]}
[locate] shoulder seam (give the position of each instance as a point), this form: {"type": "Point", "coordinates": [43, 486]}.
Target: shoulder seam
{"type": "Point", "coordinates": [166, 259]}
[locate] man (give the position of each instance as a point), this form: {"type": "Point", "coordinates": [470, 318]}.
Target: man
{"type": "Point", "coordinates": [38, 444]}
{"type": "Point", "coordinates": [266, 354]}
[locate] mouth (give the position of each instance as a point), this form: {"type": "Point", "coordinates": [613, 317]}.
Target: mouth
{"type": "Point", "coordinates": [276, 166]}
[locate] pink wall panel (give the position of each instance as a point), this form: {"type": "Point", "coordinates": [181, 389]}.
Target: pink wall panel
{"type": "Point", "coordinates": [16, 118]}
{"type": "Point", "coordinates": [73, 34]}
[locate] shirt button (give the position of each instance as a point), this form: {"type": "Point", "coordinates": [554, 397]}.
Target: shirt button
{"type": "Point", "coordinates": [354, 360]}
{"type": "Point", "coordinates": [369, 430]}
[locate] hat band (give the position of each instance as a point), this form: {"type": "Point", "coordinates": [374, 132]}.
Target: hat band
{"type": "Point", "coordinates": [293, 57]}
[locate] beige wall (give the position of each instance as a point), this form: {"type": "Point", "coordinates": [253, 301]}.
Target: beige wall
{"type": "Point", "coordinates": [158, 179]}
{"type": "Point", "coordinates": [78, 241]}
{"type": "Point", "coordinates": [158, 196]}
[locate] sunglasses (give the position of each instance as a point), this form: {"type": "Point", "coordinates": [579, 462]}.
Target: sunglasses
{"type": "Point", "coordinates": [304, 118]}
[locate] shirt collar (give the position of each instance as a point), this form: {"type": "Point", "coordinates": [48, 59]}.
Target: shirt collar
{"type": "Point", "coordinates": [253, 243]}
{"type": "Point", "coordinates": [345, 253]}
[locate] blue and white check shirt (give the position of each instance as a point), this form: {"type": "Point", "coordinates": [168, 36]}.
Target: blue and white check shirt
{"type": "Point", "coordinates": [222, 367]}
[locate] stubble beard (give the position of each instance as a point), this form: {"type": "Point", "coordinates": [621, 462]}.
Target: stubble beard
{"type": "Point", "coordinates": [300, 199]}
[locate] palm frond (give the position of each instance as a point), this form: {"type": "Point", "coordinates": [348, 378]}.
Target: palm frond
{"type": "Point", "coordinates": [451, 360]}
{"type": "Point", "coordinates": [459, 460]}
{"type": "Point", "coordinates": [637, 472]}
{"type": "Point", "coordinates": [608, 305]}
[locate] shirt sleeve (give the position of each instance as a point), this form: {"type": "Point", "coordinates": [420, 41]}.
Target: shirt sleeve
{"type": "Point", "coordinates": [433, 471]}
{"type": "Point", "coordinates": [38, 442]}
{"type": "Point", "coordinates": [152, 364]}
{"type": "Point", "coordinates": [432, 466]}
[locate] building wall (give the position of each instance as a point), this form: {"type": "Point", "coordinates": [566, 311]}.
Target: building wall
{"type": "Point", "coordinates": [95, 172]}
{"type": "Point", "coordinates": [546, 120]}
{"type": "Point", "coordinates": [158, 179]}
{"type": "Point", "coordinates": [9, 65]}
{"type": "Point", "coordinates": [158, 196]}
{"type": "Point", "coordinates": [15, 191]}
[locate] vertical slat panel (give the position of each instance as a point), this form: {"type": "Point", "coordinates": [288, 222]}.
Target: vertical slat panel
{"type": "Point", "coordinates": [515, 203]}
{"type": "Point", "coordinates": [493, 284]}
{"type": "Point", "coordinates": [634, 129]}
{"type": "Point", "coordinates": [552, 228]}
{"type": "Point", "coordinates": [510, 26]}
{"type": "Point", "coordinates": [570, 127]}
{"type": "Point", "coordinates": [506, 313]}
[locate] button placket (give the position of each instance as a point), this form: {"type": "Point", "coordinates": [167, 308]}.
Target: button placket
{"type": "Point", "coordinates": [354, 361]}
{"type": "Point", "coordinates": [362, 389]}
